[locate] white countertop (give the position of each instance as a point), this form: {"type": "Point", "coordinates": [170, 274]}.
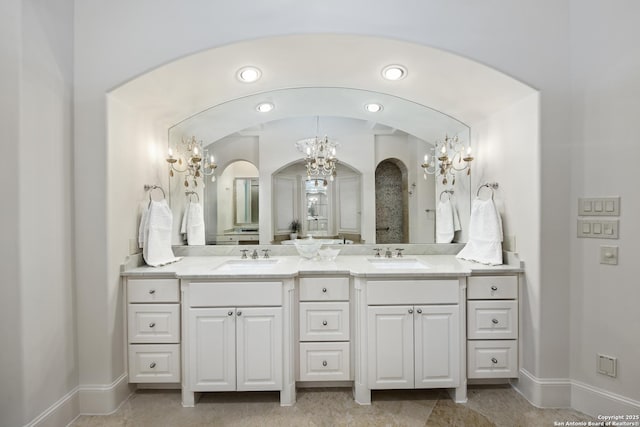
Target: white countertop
{"type": "Point", "coordinates": [201, 267]}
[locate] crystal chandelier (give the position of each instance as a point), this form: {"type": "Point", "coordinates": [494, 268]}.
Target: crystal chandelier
{"type": "Point", "coordinates": [320, 157]}
{"type": "Point", "coordinates": [447, 158]}
{"type": "Point", "coordinates": [192, 160]}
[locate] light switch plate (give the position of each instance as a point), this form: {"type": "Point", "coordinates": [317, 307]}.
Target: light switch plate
{"type": "Point", "coordinates": [607, 365]}
{"type": "Point", "coordinates": [598, 228]}
{"type": "Point", "coordinates": [599, 206]}
{"type": "Point", "coordinates": [609, 255]}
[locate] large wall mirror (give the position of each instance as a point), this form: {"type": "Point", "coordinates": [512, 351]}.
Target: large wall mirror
{"type": "Point", "coordinates": [380, 194]}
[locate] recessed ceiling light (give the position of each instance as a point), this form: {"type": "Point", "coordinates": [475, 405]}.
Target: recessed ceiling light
{"type": "Point", "coordinates": [248, 74]}
{"type": "Point", "coordinates": [265, 107]}
{"type": "Point", "coordinates": [373, 108]}
{"type": "Point", "coordinates": [394, 72]}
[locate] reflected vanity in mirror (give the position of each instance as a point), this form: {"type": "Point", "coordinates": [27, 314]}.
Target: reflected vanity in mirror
{"type": "Point", "coordinates": [379, 183]}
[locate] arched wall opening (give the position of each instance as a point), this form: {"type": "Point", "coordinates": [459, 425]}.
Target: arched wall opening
{"type": "Point", "coordinates": [503, 115]}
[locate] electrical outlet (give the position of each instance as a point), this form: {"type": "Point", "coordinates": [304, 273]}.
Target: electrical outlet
{"type": "Point", "coordinates": [133, 246]}
{"type": "Point", "coordinates": [509, 243]}
{"type": "Point", "coordinates": [607, 365]}
{"type": "Point", "coordinates": [609, 255]}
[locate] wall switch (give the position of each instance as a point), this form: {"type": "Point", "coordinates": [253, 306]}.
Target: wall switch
{"type": "Point", "coordinates": [598, 228]}
{"type": "Point", "coordinates": [599, 206]}
{"type": "Point", "coordinates": [509, 243]}
{"type": "Point", "coordinates": [607, 365]}
{"type": "Point", "coordinates": [609, 255]}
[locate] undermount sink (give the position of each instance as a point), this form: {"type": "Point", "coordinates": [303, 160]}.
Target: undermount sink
{"type": "Point", "coordinates": [247, 264]}
{"type": "Point", "coordinates": [397, 263]}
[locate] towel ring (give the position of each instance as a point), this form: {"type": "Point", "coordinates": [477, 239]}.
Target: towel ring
{"type": "Point", "coordinates": [150, 188]}
{"type": "Point", "coordinates": [449, 192]}
{"type": "Point", "coordinates": [193, 193]}
{"type": "Point", "coordinates": [490, 185]}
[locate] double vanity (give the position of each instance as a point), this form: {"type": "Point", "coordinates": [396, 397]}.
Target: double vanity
{"type": "Point", "coordinates": [221, 323]}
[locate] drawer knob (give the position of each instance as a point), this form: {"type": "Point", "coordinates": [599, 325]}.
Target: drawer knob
{"type": "Point", "coordinates": [494, 360]}
{"type": "Point", "coordinates": [324, 363]}
{"type": "Point", "coordinates": [152, 324]}
{"type": "Point", "coordinates": [324, 323]}
{"type": "Point", "coordinates": [239, 313]}
{"type": "Point", "coordinates": [494, 288]}
{"type": "Point", "coordinates": [152, 291]}
{"type": "Point", "coordinates": [411, 311]}
{"type": "Point", "coordinates": [494, 321]}
{"type": "Point", "coordinates": [153, 365]}
{"type": "Point", "coordinates": [324, 290]}
{"type": "Point", "coordinates": [230, 313]}
{"type": "Point", "coordinates": [419, 311]}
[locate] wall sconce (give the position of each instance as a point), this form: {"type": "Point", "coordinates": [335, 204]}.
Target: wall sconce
{"type": "Point", "coordinates": [192, 160]}
{"type": "Point", "coordinates": [448, 157]}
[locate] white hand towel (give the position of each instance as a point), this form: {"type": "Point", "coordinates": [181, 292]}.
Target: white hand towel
{"type": "Point", "coordinates": [183, 226]}
{"type": "Point", "coordinates": [143, 227]}
{"type": "Point", "coordinates": [456, 217]}
{"type": "Point", "coordinates": [195, 224]}
{"type": "Point", "coordinates": [444, 222]}
{"type": "Point", "coordinates": [157, 243]}
{"type": "Point", "coordinates": [485, 234]}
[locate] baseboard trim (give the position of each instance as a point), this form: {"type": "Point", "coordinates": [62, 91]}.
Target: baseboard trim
{"type": "Point", "coordinates": [595, 401]}
{"type": "Point", "coordinates": [61, 413]}
{"type": "Point", "coordinates": [104, 399]}
{"type": "Point", "coordinates": [544, 393]}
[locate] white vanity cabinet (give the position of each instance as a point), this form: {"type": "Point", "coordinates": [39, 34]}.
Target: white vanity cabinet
{"type": "Point", "coordinates": [414, 335]}
{"type": "Point", "coordinates": [235, 348]}
{"type": "Point", "coordinates": [153, 330]}
{"type": "Point", "coordinates": [234, 337]}
{"type": "Point", "coordinates": [324, 329]}
{"type": "Point", "coordinates": [492, 327]}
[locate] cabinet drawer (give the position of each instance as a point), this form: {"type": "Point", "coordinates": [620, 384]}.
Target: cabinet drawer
{"type": "Point", "coordinates": [492, 319]}
{"type": "Point", "coordinates": [233, 294]}
{"type": "Point", "coordinates": [324, 361]}
{"type": "Point", "coordinates": [153, 290]}
{"type": "Point", "coordinates": [324, 289]}
{"type": "Point", "coordinates": [492, 359]}
{"type": "Point", "coordinates": [324, 321]}
{"type": "Point", "coordinates": [150, 363]}
{"type": "Point", "coordinates": [492, 287]}
{"type": "Point", "coordinates": [388, 292]}
{"type": "Point", "coordinates": [154, 323]}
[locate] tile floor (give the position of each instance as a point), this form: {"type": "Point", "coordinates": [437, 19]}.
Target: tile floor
{"type": "Point", "coordinates": [487, 406]}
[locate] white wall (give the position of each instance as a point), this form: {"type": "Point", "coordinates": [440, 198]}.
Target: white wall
{"type": "Point", "coordinates": [605, 101]}
{"type": "Point", "coordinates": [39, 358]}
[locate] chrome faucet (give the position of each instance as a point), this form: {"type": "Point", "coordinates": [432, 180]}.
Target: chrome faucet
{"type": "Point", "coordinates": [265, 253]}
{"type": "Point", "coordinates": [377, 255]}
{"type": "Point", "coordinates": [254, 254]}
{"type": "Point", "coordinates": [388, 253]}
{"type": "Point", "coordinates": [244, 253]}
{"type": "Point", "coordinates": [399, 254]}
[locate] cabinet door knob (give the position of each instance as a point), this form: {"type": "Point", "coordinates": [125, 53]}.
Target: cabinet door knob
{"type": "Point", "coordinates": [419, 311]}
{"type": "Point", "coordinates": [324, 363]}
{"type": "Point", "coordinates": [152, 365]}
{"type": "Point", "coordinates": [324, 290]}
{"type": "Point", "coordinates": [152, 291]}
{"type": "Point", "coordinates": [494, 360]}
{"type": "Point", "coordinates": [152, 324]}
{"type": "Point", "coordinates": [239, 313]}
{"type": "Point", "coordinates": [230, 313]}
{"type": "Point", "coordinates": [494, 288]}
{"type": "Point", "coordinates": [411, 311]}
{"type": "Point", "coordinates": [324, 323]}
{"type": "Point", "coordinates": [495, 321]}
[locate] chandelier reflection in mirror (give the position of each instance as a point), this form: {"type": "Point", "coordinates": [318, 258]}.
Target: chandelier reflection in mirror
{"type": "Point", "coordinates": [320, 157]}
{"type": "Point", "coordinates": [192, 160]}
{"type": "Point", "coordinates": [447, 158]}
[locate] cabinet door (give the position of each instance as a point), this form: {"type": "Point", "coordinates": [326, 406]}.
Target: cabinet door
{"type": "Point", "coordinates": [437, 346]}
{"type": "Point", "coordinates": [390, 347]}
{"type": "Point", "coordinates": [259, 348]}
{"type": "Point", "coordinates": [348, 206]}
{"type": "Point", "coordinates": [212, 349]}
